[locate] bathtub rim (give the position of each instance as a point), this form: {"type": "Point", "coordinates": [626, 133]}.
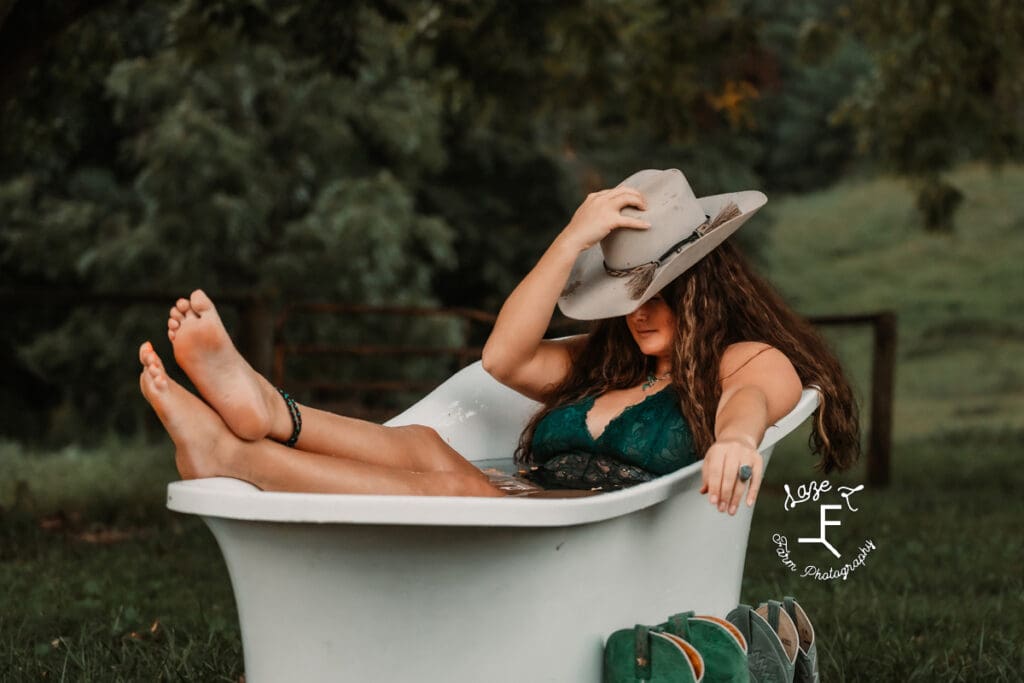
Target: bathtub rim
{"type": "Point", "coordinates": [235, 499]}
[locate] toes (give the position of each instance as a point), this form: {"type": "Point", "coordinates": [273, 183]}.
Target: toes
{"type": "Point", "coordinates": [151, 380]}
{"type": "Point", "coordinates": [156, 372]}
{"type": "Point", "coordinates": [175, 314]}
{"type": "Point", "coordinates": [200, 302]}
{"type": "Point", "coordinates": [171, 335]}
{"type": "Point", "coordinates": [149, 357]}
{"type": "Point", "coordinates": [185, 310]}
{"type": "Point", "coordinates": [173, 324]}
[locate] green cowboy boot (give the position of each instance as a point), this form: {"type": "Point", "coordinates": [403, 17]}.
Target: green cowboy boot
{"type": "Point", "coordinates": [767, 656]}
{"type": "Point", "coordinates": [807, 655]}
{"type": "Point", "coordinates": [642, 654]}
{"type": "Point", "coordinates": [721, 644]}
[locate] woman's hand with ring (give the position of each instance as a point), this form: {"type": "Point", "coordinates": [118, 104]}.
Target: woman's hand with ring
{"type": "Point", "coordinates": [721, 473]}
{"type": "Point", "coordinates": [599, 214]}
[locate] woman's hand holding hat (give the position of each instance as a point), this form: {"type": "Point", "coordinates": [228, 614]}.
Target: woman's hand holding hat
{"type": "Point", "coordinates": [615, 271]}
{"type": "Point", "coordinates": [723, 479]}
{"type": "Point", "coordinates": [599, 214]}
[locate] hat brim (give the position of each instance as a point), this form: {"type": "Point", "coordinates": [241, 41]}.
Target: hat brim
{"type": "Point", "coordinates": [592, 294]}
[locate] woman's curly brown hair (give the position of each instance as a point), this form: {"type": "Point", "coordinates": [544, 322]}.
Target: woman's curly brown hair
{"type": "Point", "coordinates": [718, 302]}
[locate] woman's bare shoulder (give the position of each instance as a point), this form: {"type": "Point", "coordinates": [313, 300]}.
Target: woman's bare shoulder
{"type": "Point", "coordinates": [761, 365]}
{"type": "Point", "coordinates": [738, 355]}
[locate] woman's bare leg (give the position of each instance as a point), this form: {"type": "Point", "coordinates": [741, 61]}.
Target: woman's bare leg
{"type": "Point", "coordinates": [205, 447]}
{"type": "Point", "coordinates": [253, 410]}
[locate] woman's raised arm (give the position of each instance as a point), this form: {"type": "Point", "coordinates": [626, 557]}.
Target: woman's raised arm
{"type": "Point", "coordinates": [516, 353]}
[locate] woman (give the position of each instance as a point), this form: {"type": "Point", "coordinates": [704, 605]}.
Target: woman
{"type": "Point", "coordinates": [686, 334]}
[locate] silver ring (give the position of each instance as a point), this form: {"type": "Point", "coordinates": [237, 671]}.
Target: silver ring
{"type": "Point", "coordinates": [746, 472]}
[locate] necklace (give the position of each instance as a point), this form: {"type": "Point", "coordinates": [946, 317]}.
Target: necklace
{"type": "Point", "coordinates": [652, 379]}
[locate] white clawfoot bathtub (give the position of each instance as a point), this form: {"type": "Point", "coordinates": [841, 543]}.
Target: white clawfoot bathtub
{"type": "Point", "coordinates": [403, 588]}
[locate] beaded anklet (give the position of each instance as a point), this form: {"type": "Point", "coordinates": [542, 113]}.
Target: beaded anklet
{"type": "Point", "coordinates": [293, 410]}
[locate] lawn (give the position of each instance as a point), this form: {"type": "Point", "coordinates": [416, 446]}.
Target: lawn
{"type": "Point", "coordinates": [100, 582]}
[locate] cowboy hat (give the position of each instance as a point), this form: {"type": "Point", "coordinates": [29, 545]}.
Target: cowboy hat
{"type": "Point", "coordinates": [628, 267]}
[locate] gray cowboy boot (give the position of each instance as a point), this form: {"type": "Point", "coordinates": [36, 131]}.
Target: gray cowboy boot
{"type": "Point", "coordinates": [783, 625]}
{"type": "Point", "coordinates": [768, 658]}
{"type": "Point", "coordinates": [807, 655]}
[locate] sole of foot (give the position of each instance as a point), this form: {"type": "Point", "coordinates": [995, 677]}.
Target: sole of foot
{"type": "Point", "coordinates": [200, 437]}
{"type": "Point", "coordinates": [203, 349]}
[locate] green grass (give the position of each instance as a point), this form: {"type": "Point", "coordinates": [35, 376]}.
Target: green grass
{"type": "Point", "coordinates": [89, 556]}
{"type": "Point", "coordinates": [99, 581]}
{"type": "Point", "coordinates": [940, 597]}
{"type": "Point", "coordinates": [959, 297]}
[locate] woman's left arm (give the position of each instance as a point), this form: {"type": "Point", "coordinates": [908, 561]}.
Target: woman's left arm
{"type": "Point", "coordinates": [759, 387]}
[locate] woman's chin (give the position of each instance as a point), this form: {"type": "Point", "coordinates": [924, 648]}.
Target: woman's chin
{"type": "Point", "coordinates": [651, 347]}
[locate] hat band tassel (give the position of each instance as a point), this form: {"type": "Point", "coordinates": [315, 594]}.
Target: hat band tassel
{"type": "Point", "coordinates": [641, 277]}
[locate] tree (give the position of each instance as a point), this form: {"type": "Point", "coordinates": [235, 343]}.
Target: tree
{"type": "Point", "coordinates": [948, 86]}
{"type": "Point", "coordinates": [236, 164]}
{"type": "Point", "coordinates": [394, 151]}
{"type": "Point", "coordinates": [551, 100]}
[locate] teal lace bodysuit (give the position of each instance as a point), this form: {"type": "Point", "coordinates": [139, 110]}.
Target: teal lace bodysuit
{"type": "Point", "coordinates": [648, 439]}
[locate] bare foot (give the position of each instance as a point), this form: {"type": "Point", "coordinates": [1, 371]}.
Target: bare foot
{"type": "Point", "coordinates": [247, 402]}
{"type": "Point", "coordinates": [201, 438]}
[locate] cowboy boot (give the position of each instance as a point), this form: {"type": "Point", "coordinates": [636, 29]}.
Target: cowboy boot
{"type": "Point", "coordinates": [644, 654]}
{"type": "Point", "coordinates": [783, 625]}
{"type": "Point", "coordinates": [769, 660]}
{"type": "Point", "coordinates": [721, 644]}
{"type": "Point", "coordinates": [807, 655]}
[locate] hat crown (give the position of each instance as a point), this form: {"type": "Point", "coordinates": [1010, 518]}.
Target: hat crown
{"type": "Point", "coordinates": [672, 210]}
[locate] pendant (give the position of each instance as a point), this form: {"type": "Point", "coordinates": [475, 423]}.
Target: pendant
{"type": "Point", "coordinates": [652, 380]}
